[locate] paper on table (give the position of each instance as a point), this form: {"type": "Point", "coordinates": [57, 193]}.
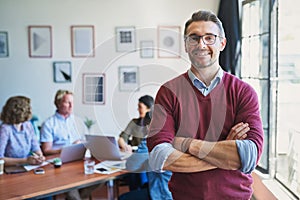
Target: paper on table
{"type": "Point", "coordinates": [103, 169]}
{"type": "Point", "coordinates": [115, 164]}
{"type": "Point", "coordinates": [31, 167]}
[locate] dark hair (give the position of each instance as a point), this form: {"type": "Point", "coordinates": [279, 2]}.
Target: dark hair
{"type": "Point", "coordinates": [16, 110]}
{"type": "Point", "coordinates": [205, 16]}
{"type": "Point", "coordinates": [147, 100]}
{"type": "Point", "coordinates": [147, 118]}
{"type": "Point", "coordinates": [59, 95]}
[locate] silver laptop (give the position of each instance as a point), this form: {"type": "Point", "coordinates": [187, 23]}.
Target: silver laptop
{"type": "Point", "coordinates": [105, 148]}
{"type": "Point", "coordinates": [71, 153]}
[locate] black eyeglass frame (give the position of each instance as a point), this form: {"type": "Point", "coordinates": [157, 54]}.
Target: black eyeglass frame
{"type": "Point", "coordinates": [201, 37]}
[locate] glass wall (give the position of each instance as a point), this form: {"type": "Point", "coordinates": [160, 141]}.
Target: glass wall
{"type": "Point", "coordinates": [271, 64]}
{"type": "Point", "coordinates": [255, 61]}
{"type": "Point", "coordinates": [288, 105]}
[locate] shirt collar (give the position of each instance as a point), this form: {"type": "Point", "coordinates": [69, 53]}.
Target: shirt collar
{"type": "Point", "coordinates": [198, 83]}
{"type": "Point", "coordinates": [62, 117]}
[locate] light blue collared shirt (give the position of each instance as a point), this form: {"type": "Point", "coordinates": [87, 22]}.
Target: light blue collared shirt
{"type": "Point", "coordinates": [62, 131]}
{"type": "Point", "coordinates": [200, 85]}
{"type": "Point", "coordinates": [246, 148]}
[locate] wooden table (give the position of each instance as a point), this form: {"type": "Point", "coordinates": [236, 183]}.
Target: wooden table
{"type": "Point", "coordinates": [55, 181]}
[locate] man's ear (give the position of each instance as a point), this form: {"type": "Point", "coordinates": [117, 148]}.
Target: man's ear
{"type": "Point", "coordinates": [223, 44]}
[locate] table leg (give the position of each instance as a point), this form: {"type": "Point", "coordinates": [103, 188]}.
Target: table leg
{"type": "Point", "coordinates": [110, 190]}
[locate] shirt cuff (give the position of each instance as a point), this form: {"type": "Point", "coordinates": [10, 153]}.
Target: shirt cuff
{"type": "Point", "coordinates": [248, 155]}
{"type": "Point", "coordinates": [159, 155]}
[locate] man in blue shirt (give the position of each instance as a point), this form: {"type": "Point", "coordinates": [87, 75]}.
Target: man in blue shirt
{"type": "Point", "coordinates": [63, 128]}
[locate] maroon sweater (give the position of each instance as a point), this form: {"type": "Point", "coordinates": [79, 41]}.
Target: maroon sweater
{"type": "Point", "coordinates": [181, 110]}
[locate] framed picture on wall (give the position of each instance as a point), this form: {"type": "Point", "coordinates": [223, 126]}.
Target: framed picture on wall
{"type": "Point", "coordinates": [94, 88]}
{"type": "Point", "coordinates": [169, 38]}
{"type": "Point", "coordinates": [125, 39]}
{"type": "Point", "coordinates": [40, 41]}
{"type": "Point", "coordinates": [129, 78]}
{"type": "Point", "coordinates": [62, 72]}
{"type": "Point", "coordinates": [3, 44]}
{"type": "Point", "coordinates": [146, 48]}
{"type": "Point", "coordinates": [83, 41]}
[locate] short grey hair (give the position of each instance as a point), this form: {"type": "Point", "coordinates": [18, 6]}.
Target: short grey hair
{"type": "Point", "coordinates": [203, 15]}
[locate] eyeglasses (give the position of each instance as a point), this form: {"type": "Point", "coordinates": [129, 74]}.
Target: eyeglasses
{"type": "Point", "coordinates": [208, 39]}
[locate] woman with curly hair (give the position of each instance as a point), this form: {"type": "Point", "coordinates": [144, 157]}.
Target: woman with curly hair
{"type": "Point", "coordinates": [18, 142]}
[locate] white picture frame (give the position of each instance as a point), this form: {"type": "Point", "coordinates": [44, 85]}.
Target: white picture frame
{"type": "Point", "coordinates": [93, 88]}
{"type": "Point", "coordinates": [82, 41]}
{"type": "Point", "coordinates": [3, 44]}
{"type": "Point", "coordinates": [125, 39]}
{"type": "Point", "coordinates": [40, 41]}
{"type": "Point", "coordinates": [169, 44]}
{"type": "Point", "coordinates": [129, 79]}
{"type": "Point", "coordinates": [147, 49]}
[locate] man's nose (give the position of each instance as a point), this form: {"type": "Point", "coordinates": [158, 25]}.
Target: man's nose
{"type": "Point", "coordinates": [201, 43]}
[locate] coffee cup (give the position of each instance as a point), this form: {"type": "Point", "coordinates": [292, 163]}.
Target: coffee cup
{"type": "Point", "coordinates": [1, 166]}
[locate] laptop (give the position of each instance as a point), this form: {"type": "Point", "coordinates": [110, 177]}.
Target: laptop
{"type": "Point", "coordinates": [105, 148]}
{"type": "Point", "coordinates": [71, 153]}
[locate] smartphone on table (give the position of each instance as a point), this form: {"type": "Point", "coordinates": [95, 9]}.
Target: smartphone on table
{"type": "Point", "coordinates": [39, 171]}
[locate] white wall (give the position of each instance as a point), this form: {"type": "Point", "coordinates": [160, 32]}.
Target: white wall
{"type": "Point", "coordinates": [33, 77]}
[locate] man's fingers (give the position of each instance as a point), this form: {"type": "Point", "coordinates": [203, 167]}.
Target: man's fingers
{"type": "Point", "coordinates": [238, 131]}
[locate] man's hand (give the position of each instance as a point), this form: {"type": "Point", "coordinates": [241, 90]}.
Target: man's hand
{"type": "Point", "coordinates": [238, 132]}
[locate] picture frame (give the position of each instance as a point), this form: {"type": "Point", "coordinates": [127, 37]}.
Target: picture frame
{"type": "Point", "coordinates": [40, 41]}
{"type": "Point", "coordinates": [129, 79]}
{"type": "Point", "coordinates": [169, 45]}
{"type": "Point", "coordinates": [62, 72]}
{"type": "Point", "coordinates": [125, 39]}
{"type": "Point", "coordinates": [93, 88]}
{"type": "Point", "coordinates": [3, 44]}
{"type": "Point", "coordinates": [146, 49]}
{"type": "Point", "coordinates": [82, 41]}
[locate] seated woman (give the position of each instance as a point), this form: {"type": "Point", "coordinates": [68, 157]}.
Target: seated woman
{"type": "Point", "coordinates": [157, 187]}
{"type": "Point", "coordinates": [18, 142]}
{"type": "Point", "coordinates": [136, 129]}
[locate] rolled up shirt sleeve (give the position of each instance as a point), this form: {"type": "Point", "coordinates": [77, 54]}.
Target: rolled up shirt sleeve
{"type": "Point", "coordinates": [248, 154]}
{"type": "Point", "coordinates": [159, 155]}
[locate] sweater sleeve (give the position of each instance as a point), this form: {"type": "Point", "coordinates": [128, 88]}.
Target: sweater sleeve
{"type": "Point", "coordinates": [248, 112]}
{"type": "Point", "coordinates": [162, 127]}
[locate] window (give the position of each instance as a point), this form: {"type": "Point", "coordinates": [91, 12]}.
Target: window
{"type": "Point", "coordinates": [255, 62]}
{"type": "Point", "coordinates": [288, 104]}
{"type": "Point", "coordinates": [271, 63]}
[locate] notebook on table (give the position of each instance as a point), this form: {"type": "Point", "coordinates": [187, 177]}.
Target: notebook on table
{"type": "Point", "coordinates": [14, 169]}
{"type": "Point", "coordinates": [105, 148]}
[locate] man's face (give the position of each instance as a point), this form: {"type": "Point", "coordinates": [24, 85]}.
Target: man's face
{"type": "Point", "coordinates": [65, 106]}
{"type": "Point", "coordinates": [203, 55]}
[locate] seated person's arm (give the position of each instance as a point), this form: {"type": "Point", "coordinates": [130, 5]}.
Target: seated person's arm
{"type": "Point", "coordinates": [77, 142]}
{"type": "Point", "coordinates": [15, 161]}
{"type": "Point", "coordinates": [47, 139]}
{"type": "Point", "coordinates": [47, 149]}
{"type": "Point", "coordinates": [35, 159]}
{"type": "Point", "coordinates": [122, 141]}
